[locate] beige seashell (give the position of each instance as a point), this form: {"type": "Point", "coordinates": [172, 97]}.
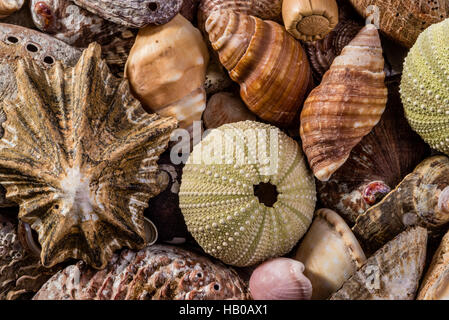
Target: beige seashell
{"type": "Point", "coordinates": [8, 7]}
{"type": "Point", "coordinates": [309, 20]}
{"type": "Point", "coordinates": [347, 104]}
{"type": "Point", "coordinates": [392, 273]}
{"type": "Point", "coordinates": [280, 279]}
{"type": "Point", "coordinates": [224, 107]}
{"type": "Point", "coordinates": [330, 253]}
{"type": "Point", "coordinates": [166, 70]}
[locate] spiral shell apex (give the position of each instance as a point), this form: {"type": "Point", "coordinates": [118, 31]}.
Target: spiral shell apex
{"type": "Point", "coordinates": [246, 193]}
{"type": "Point", "coordinates": [425, 86]}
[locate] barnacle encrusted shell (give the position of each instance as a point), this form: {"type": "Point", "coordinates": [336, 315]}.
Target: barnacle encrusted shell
{"type": "Point", "coordinates": [330, 253]}
{"type": "Point", "coordinates": [246, 193]}
{"type": "Point", "coordinates": [421, 199]}
{"type": "Point", "coordinates": [163, 76]}
{"type": "Point", "coordinates": [309, 20]}
{"type": "Point", "coordinates": [159, 272]}
{"type": "Point", "coordinates": [8, 7]}
{"type": "Point", "coordinates": [425, 86]}
{"type": "Point", "coordinates": [266, 61]}
{"type": "Point", "coordinates": [79, 156]}
{"type": "Point", "coordinates": [403, 20]}
{"type": "Point", "coordinates": [347, 104]}
{"type": "Point", "coordinates": [392, 273]}
{"type": "Point", "coordinates": [435, 285]}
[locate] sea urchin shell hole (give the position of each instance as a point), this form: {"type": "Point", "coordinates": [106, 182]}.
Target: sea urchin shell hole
{"type": "Point", "coordinates": [266, 193]}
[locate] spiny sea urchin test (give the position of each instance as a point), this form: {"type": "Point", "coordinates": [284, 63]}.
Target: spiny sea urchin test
{"type": "Point", "coordinates": [425, 86]}
{"type": "Point", "coordinates": [246, 193]}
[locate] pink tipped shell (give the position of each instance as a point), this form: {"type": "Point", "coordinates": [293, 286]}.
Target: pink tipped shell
{"type": "Point", "coordinates": [280, 279]}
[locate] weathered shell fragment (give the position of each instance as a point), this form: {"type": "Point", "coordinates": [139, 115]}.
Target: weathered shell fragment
{"type": "Point", "coordinates": [159, 272]}
{"type": "Point", "coordinates": [435, 285]}
{"type": "Point", "coordinates": [330, 253]}
{"type": "Point", "coordinates": [8, 7]}
{"type": "Point", "coordinates": [421, 199]}
{"type": "Point", "coordinates": [392, 273]}
{"type": "Point", "coordinates": [79, 156]}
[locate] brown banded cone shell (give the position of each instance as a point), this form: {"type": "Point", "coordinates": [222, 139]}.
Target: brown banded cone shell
{"type": "Point", "coordinates": [376, 165]}
{"type": "Point", "coordinates": [330, 253]}
{"type": "Point", "coordinates": [266, 61]}
{"type": "Point", "coordinates": [420, 199]}
{"type": "Point", "coordinates": [435, 285]}
{"type": "Point", "coordinates": [166, 70]}
{"type": "Point", "coordinates": [309, 20]}
{"type": "Point", "coordinates": [8, 7]}
{"type": "Point", "coordinates": [347, 104]}
{"type": "Point", "coordinates": [392, 273]}
{"type": "Point", "coordinates": [403, 20]}
{"type": "Point", "coordinates": [225, 107]}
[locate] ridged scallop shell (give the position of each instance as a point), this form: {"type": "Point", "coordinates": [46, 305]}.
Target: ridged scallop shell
{"type": "Point", "coordinates": [403, 20]}
{"type": "Point", "coordinates": [268, 63]}
{"type": "Point", "coordinates": [159, 272]}
{"type": "Point", "coordinates": [425, 86]}
{"type": "Point", "coordinates": [392, 273]}
{"type": "Point", "coordinates": [309, 20]}
{"type": "Point", "coordinates": [166, 79]}
{"type": "Point", "coordinates": [330, 253]}
{"type": "Point", "coordinates": [435, 284]}
{"type": "Point", "coordinates": [376, 165]}
{"type": "Point", "coordinates": [421, 199]}
{"type": "Point", "coordinates": [280, 279]}
{"type": "Point", "coordinates": [79, 156]}
{"type": "Point", "coordinates": [8, 7]}
{"type": "Point", "coordinates": [246, 206]}
{"type": "Point", "coordinates": [347, 104]}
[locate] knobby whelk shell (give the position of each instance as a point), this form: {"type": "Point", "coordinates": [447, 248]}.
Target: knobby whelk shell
{"type": "Point", "coordinates": [435, 285]}
{"type": "Point", "coordinates": [8, 7]}
{"type": "Point", "coordinates": [159, 272]}
{"type": "Point", "coordinates": [425, 86]}
{"type": "Point", "coordinates": [403, 20]}
{"type": "Point", "coordinates": [280, 279]}
{"type": "Point", "coordinates": [421, 199]}
{"type": "Point", "coordinates": [347, 104]}
{"type": "Point", "coordinates": [392, 273]}
{"type": "Point", "coordinates": [246, 193]}
{"type": "Point", "coordinates": [79, 156]}
{"type": "Point", "coordinates": [268, 63]}
{"type": "Point", "coordinates": [330, 253]}
{"type": "Point", "coordinates": [166, 79]}
{"type": "Point", "coordinates": [309, 20]}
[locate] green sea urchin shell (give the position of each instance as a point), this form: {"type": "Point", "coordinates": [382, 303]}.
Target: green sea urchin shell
{"type": "Point", "coordinates": [221, 194]}
{"type": "Point", "coordinates": [425, 86]}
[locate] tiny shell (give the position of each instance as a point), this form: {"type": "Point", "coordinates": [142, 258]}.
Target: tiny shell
{"type": "Point", "coordinates": [280, 279]}
{"type": "Point", "coordinates": [435, 285]}
{"type": "Point", "coordinates": [392, 273]}
{"type": "Point", "coordinates": [159, 272]}
{"type": "Point", "coordinates": [217, 78]}
{"type": "Point", "coordinates": [330, 253]}
{"type": "Point", "coordinates": [8, 7]}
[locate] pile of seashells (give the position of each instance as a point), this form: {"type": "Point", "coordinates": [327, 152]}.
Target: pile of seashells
{"type": "Point", "coordinates": [224, 149]}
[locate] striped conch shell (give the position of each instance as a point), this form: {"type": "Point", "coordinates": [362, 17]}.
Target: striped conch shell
{"type": "Point", "coordinates": [166, 69]}
{"type": "Point", "coordinates": [268, 63]}
{"type": "Point", "coordinates": [347, 104]}
{"type": "Point", "coordinates": [8, 7]}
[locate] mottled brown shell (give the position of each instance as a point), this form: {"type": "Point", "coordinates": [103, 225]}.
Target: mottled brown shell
{"type": "Point", "coordinates": [159, 272]}
{"type": "Point", "coordinates": [79, 156]}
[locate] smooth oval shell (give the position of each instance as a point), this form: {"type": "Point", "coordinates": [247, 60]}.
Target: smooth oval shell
{"type": "Point", "coordinates": [330, 253]}
{"type": "Point", "coordinates": [268, 63]}
{"type": "Point", "coordinates": [392, 273]}
{"type": "Point", "coordinates": [224, 196]}
{"type": "Point", "coordinates": [159, 272]}
{"type": "Point", "coordinates": [347, 104]}
{"type": "Point", "coordinates": [309, 20]}
{"type": "Point", "coordinates": [163, 77]}
{"type": "Point", "coordinates": [425, 86]}
{"type": "Point", "coordinates": [280, 279]}
{"type": "Point", "coordinates": [8, 7]}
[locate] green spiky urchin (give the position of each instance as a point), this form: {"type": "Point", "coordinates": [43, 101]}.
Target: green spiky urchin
{"type": "Point", "coordinates": [218, 201]}
{"type": "Point", "coordinates": [425, 86]}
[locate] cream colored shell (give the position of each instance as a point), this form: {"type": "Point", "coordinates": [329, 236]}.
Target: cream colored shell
{"type": "Point", "coordinates": [8, 7]}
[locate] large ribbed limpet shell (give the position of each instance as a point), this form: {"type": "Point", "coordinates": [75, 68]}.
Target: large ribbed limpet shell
{"type": "Point", "coordinates": [79, 156]}
{"type": "Point", "coordinates": [246, 206]}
